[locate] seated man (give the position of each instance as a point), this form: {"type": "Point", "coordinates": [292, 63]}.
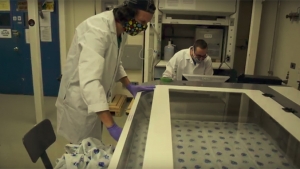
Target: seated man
{"type": "Point", "coordinates": [193, 60]}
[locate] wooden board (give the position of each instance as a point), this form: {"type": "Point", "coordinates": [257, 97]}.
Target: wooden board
{"type": "Point", "coordinates": [115, 107]}
{"type": "Point", "coordinates": [129, 107]}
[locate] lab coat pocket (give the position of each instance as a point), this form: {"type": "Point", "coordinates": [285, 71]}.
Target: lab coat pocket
{"type": "Point", "coordinates": [74, 119]}
{"type": "Point", "coordinates": [74, 100]}
{"type": "Point", "coordinates": [60, 115]}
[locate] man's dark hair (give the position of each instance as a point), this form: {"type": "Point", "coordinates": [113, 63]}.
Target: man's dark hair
{"type": "Point", "coordinates": [200, 43]}
{"type": "Point", "coordinates": [129, 9]}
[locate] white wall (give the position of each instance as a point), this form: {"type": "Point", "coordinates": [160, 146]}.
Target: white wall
{"type": "Point", "coordinates": [287, 46]}
{"type": "Point", "coordinates": [266, 37]}
{"type": "Point", "coordinates": [243, 29]}
{"type": "Point", "coordinates": [77, 11]}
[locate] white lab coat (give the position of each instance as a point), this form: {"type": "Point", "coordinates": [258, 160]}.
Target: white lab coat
{"type": "Point", "coordinates": [182, 63]}
{"type": "Point", "coordinates": [93, 66]}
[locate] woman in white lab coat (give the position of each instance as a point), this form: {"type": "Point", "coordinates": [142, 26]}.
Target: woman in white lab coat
{"type": "Point", "coordinates": [193, 60]}
{"type": "Point", "coordinates": [93, 66]}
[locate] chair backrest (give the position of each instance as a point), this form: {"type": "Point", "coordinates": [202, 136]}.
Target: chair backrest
{"type": "Point", "coordinates": [38, 140]}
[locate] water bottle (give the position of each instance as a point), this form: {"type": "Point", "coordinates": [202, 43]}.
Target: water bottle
{"type": "Point", "coordinates": [169, 51]}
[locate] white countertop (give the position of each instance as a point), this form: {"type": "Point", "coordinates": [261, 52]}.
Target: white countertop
{"type": "Point", "coordinates": [163, 63]}
{"type": "Point", "coordinates": [289, 92]}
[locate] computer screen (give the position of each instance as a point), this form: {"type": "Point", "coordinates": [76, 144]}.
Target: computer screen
{"type": "Point", "coordinates": [204, 78]}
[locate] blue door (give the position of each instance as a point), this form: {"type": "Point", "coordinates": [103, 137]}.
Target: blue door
{"type": "Point", "coordinates": [50, 52]}
{"type": "Point", "coordinates": [15, 61]}
{"type": "Point", "coordinates": [11, 54]}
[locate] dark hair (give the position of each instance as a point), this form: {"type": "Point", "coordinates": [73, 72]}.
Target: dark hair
{"type": "Point", "coordinates": [200, 43]}
{"type": "Point", "coordinates": [129, 10]}
{"type": "Point", "coordinates": [124, 13]}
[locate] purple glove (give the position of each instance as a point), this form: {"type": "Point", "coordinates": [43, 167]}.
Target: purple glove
{"type": "Point", "coordinates": [115, 131]}
{"type": "Point", "coordinates": [135, 89]}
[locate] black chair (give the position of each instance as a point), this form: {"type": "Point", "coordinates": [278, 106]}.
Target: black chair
{"type": "Point", "coordinates": [38, 140]}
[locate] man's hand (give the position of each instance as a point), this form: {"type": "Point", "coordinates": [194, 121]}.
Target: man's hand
{"type": "Point", "coordinates": [115, 131]}
{"type": "Point", "coordinates": [106, 118]}
{"type": "Point", "coordinates": [135, 89]}
{"type": "Point", "coordinates": [108, 121]}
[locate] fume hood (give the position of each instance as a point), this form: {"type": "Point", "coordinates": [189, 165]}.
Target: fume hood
{"type": "Point", "coordinates": [184, 21]}
{"type": "Point", "coordinates": [214, 21]}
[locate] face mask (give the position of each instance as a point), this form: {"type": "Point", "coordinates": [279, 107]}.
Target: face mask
{"type": "Point", "coordinates": [133, 28]}
{"type": "Point", "coordinates": [197, 60]}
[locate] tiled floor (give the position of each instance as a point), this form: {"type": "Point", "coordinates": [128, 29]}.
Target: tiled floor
{"type": "Point", "coordinates": [17, 116]}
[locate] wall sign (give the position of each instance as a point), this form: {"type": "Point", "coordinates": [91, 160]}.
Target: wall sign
{"type": "Point", "coordinates": [46, 5]}
{"type": "Point", "coordinates": [46, 34]}
{"type": "Point", "coordinates": [208, 36]}
{"type": "Point", "coordinates": [5, 33]}
{"type": "Point", "coordinates": [22, 6]}
{"type": "Point", "coordinates": [4, 5]}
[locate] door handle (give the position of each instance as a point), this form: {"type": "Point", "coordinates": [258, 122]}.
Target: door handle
{"type": "Point", "coordinates": [16, 49]}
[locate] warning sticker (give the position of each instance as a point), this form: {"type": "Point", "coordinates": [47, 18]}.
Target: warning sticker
{"type": "Point", "coordinates": [5, 33]}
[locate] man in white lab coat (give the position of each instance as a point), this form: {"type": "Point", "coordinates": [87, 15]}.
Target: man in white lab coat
{"type": "Point", "coordinates": [193, 60]}
{"type": "Point", "coordinates": [93, 66]}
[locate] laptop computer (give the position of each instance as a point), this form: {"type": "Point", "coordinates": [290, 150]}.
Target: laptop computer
{"type": "Point", "coordinates": [204, 78]}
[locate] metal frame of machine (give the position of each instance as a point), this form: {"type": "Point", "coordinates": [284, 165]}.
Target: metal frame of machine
{"type": "Point", "coordinates": [159, 151]}
{"type": "Point", "coordinates": [159, 142]}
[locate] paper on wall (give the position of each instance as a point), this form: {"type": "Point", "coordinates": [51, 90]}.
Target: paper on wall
{"type": "Point", "coordinates": [46, 21]}
{"type": "Point", "coordinates": [4, 5]}
{"type": "Point", "coordinates": [27, 36]}
{"type": "Point", "coordinates": [46, 34]}
{"type": "Point", "coordinates": [5, 33]}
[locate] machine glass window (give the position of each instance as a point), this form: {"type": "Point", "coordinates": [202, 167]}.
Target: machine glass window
{"type": "Point", "coordinates": [5, 20]}
{"type": "Point", "coordinates": [133, 149]}
{"type": "Point", "coordinates": [227, 130]}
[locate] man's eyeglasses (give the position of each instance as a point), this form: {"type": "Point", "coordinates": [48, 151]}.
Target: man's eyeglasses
{"type": "Point", "coordinates": [199, 56]}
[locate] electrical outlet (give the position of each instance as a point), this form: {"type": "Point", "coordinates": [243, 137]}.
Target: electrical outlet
{"type": "Point", "coordinates": [228, 59]}
{"type": "Point", "coordinates": [293, 65]}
